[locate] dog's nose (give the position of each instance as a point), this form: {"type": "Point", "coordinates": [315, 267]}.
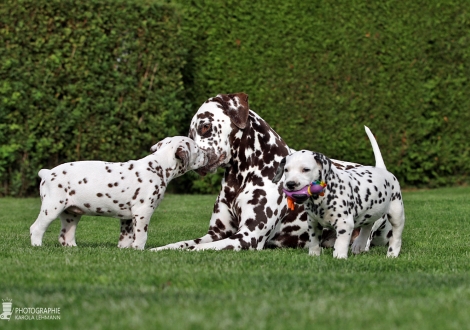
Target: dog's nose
{"type": "Point", "coordinates": [290, 185]}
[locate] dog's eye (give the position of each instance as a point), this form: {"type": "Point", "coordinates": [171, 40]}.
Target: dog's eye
{"type": "Point", "coordinates": [305, 170]}
{"type": "Point", "coordinates": [286, 170]}
{"type": "Point", "coordinates": [203, 129]}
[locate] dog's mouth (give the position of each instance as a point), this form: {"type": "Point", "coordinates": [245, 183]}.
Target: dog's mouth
{"type": "Point", "coordinates": [300, 198]}
{"type": "Point", "coordinates": [212, 166]}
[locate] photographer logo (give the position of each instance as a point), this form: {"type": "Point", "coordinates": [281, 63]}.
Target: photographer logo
{"type": "Point", "coordinates": [6, 304]}
{"type": "Point", "coordinates": [28, 313]}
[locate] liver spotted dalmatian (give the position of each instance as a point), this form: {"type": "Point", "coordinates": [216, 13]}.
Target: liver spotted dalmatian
{"type": "Point", "coordinates": [250, 211]}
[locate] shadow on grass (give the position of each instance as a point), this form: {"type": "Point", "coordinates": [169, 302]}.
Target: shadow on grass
{"type": "Point", "coordinates": [104, 245]}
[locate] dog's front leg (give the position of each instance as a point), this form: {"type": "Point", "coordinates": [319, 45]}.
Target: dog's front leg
{"type": "Point", "coordinates": [221, 226]}
{"type": "Point", "coordinates": [314, 233]}
{"type": "Point", "coordinates": [141, 222]}
{"type": "Point", "coordinates": [69, 225]}
{"type": "Point", "coordinates": [344, 229]}
{"type": "Point", "coordinates": [127, 233]}
{"type": "Point", "coordinates": [253, 229]}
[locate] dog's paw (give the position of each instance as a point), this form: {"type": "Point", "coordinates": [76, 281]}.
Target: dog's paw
{"type": "Point", "coordinates": [36, 241]}
{"type": "Point", "coordinates": [315, 251]}
{"type": "Point", "coordinates": [138, 246]}
{"type": "Point", "coordinates": [357, 247]}
{"type": "Point", "coordinates": [338, 255]}
{"type": "Point", "coordinates": [392, 254]}
{"type": "Point", "coordinates": [170, 247]}
{"type": "Point", "coordinates": [122, 245]}
{"type": "Point", "coordinates": [63, 242]}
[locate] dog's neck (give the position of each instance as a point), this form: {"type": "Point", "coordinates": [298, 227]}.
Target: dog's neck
{"type": "Point", "coordinates": [257, 137]}
{"type": "Point", "coordinates": [333, 175]}
{"type": "Point", "coordinates": [162, 166]}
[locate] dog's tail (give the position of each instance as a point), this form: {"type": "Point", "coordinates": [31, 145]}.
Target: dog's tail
{"type": "Point", "coordinates": [379, 162]}
{"type": "Point", "coordinates": [43, 173]}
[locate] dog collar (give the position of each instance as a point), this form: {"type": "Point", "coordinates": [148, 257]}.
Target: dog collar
{"type": "Point", "coordinates": [314, 188]}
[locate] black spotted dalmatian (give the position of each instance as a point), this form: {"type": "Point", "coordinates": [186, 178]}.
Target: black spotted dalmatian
{"type": "Point", "coordinates": [250, 211]}
{"type": "Point", "coordinates": [129, 191]}
{"type": "Point", "coordinates": [344, 199]}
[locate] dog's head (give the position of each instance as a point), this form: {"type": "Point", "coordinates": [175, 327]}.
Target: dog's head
{"type": "Point", "coordinates": [187, 154]}
{"type": "Point", "coordinates": [302, 168]}
{"type": "Point", "coordinates": [215, 123]}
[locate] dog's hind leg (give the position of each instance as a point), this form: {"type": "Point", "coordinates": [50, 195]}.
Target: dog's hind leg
{"type": "Point", "coordinates": [380, 233]}
{"type": "Point", "coordinates": [396, 216]}
{"type": "Point", "coordinates": [47, 214]}
{"type": "Point", "coordinates": [360, 243]}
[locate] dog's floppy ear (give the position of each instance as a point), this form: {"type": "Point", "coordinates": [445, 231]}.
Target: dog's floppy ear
{"type": "Point", "coordinates": [155, 147]}
{"type": "Point", "coordinates": [238, 113]}
{"type": "Point", "coordinates": [182, 153]}
{"type": "Point", "coordinates": [325, 164]}
{"type": "Point", "coordinates": [235, 106]}
{"type": "Point", "coordinates": [159, 144]}
{"type": "Point", "coordinates": [279, 171]}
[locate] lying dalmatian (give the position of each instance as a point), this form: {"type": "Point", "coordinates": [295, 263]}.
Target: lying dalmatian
{"type": "Point", "coordinates": [250, 211]}
{"type": "Point", "coordinates": [129, 191]}
{"type": "Point", "coordinates": [344, 199]}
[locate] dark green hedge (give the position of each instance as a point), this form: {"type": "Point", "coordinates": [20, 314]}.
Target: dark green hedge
{"type": "Point", "coordinates": [106, 79]}
{"type": "Point", "coordinates": [319, 71]}
{"type": "Point", "coordinates": [85, 80]}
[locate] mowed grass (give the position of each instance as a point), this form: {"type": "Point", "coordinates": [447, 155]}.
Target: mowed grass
{"type": "Point", "coordinates": [98, 286]}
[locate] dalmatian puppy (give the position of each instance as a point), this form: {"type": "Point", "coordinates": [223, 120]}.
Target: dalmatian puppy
{"type": "Point", "coordinates": [129, 191]}
{"type": "Point", "coordinates": [250, 211]}
{"type": "Point", "coordinates": [344, 199]}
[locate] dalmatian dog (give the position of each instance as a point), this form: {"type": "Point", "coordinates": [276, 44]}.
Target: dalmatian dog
{"type": "Point", "coordinates": [250, 211]}
{"type": "Point", "coordinates": [344, 199]}
{"type": "Point", "coordinates": [129, 191]}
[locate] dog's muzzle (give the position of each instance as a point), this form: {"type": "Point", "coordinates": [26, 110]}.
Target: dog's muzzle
{"type": "Point", "coordinates": [213, 163]}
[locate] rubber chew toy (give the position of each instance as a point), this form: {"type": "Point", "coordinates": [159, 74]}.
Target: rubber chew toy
{"type": "Point", "coordinates": [315, 188]}
{"type": "Point", "coordinates": [290, 203]}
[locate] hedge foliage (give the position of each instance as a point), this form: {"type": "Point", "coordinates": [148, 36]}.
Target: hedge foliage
{"type": "Point", "coordinates": [85, 80]}
{"type": "Point", "coordinates": [107, 79]}
{"type": "Point", "coordinates": [318, 71]}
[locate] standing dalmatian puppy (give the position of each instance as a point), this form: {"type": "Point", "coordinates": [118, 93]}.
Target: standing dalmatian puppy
{"type": "Point", "coordinates": [128, 191]}
{"type": "Point", "coordinates": [344, 199]}
{"type": "Point", "coordinates": [250, 211]}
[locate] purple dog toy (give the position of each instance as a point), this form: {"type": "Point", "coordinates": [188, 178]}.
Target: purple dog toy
{"type": "Point", "coordinates": [301, 195]}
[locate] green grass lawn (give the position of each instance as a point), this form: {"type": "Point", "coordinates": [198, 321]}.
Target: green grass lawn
{"type": "Point", "coordinates": [98, 286]}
